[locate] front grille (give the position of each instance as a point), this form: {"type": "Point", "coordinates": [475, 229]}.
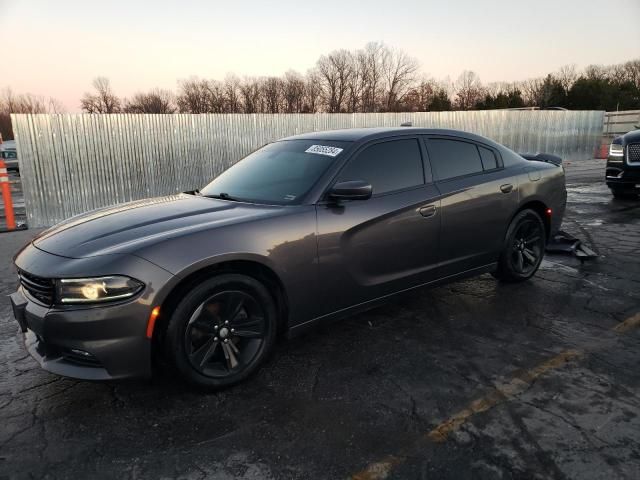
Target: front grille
{"type": "Point", "coordinates": [41, 289]}
{"type": "Point", "coordinates": [633, 153]}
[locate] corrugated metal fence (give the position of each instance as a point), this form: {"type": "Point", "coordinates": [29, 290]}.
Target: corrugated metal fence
{"type": "Point", "coordinates": [72, 163]}
{"type": "Point", "coordinates": [619, 123]}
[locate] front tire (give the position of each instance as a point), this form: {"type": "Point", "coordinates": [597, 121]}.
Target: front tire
{"type": "Point", "coordinates": [222, 331]}
{"type": "Point", "coordinates": [524, 248]}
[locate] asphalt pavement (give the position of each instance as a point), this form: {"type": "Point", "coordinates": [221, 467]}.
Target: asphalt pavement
{"type": "Point", "coordinates": [471, 380]}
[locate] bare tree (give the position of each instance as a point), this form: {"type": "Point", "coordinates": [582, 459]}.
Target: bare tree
{"type": "Point", "coordinates": [155, 101]}
{"type": "Point", "coordinates": [468, 90]}
{"type": "Point", "coordinates": [312, 91]}
{"type": "Point", "coordinates": [272, 92]}
{"type": "Point", "coordinates": [55, 106]}
{"type": "Point", "coordinates": [202, 96]}
{"type": "Point", "coordinates": [595, 72]}
{"type": "Point", "coordinates": [233, 103]}
{"type": "Point", "coordinates": [398, 71]}
{"type": "Point", "coordinates": [216, 97]}
{"type": "Point", "coordinates": [373, 53]}
{"type": "Point", "coordinates": [103, 100]}
{"type": "Point", "coordinates": [293, 92]}
{"type": "Point", "coordinates": [532, 91]}
{"type": "Point", "coordinates": [420, 96]}
{"type": "Point", "coordinates": [193, 96]}
{"type": "Point", "coordinates": [335, 70]}
{"type": "Point", "coordinates": [251, 96]}
{"type": "Point", "coordinates": [632, 72]}
{"type": "Point", "coordinates": [567, 76]}
{"type": "Point", "coordinates": [357, 82]}
{"type": "Point", "coordinates": [23, 103]}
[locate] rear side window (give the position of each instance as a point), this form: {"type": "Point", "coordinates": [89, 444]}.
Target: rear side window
{"type": "Point", "coordinates": [388, 166]}
{"type": "Point", "coordinates": [452, 158]}
{"type": "Point", "coordinates": [489, 161]}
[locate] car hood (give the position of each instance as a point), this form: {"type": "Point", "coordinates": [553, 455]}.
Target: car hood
{"type": "Point", "coordinates": [632, 137]}
{"type": "Point", "coordinates": [128, 227]}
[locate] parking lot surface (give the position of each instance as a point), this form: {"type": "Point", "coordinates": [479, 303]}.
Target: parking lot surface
{"type": "Point", "coordinates": [475, 379]}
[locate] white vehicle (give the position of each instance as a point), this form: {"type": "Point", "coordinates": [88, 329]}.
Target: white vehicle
{"type": "Point", "coordinates": [9, 154]}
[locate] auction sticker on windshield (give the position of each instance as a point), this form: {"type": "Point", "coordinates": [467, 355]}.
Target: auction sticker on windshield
{"type": "Point", "coordinates": [324, 150]}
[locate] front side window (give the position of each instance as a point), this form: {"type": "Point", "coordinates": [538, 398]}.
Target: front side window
{"type": "Point", "coordinates": [387, 166]}
{"type": "Point", "coordinates": [279, 173]}
{"type": "Point", "coordinates": [453, 158]}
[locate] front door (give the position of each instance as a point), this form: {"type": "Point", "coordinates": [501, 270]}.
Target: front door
{"type": "Point", "coordinates": [371, 248]}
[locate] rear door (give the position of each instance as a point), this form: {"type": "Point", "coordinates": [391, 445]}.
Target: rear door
{"type": "Point", "coordinates": [369, 248]}
{"type": "Point", "coordinates": [478, 199]}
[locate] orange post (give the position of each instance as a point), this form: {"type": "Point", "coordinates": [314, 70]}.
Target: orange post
{"type": "Point", "coordinates": [6, 196]}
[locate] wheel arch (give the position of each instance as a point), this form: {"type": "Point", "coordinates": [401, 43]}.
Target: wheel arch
{"type": "Point", "coordinates": [540, 208]}
{"type": "Point", "coordinates": [246, 266]}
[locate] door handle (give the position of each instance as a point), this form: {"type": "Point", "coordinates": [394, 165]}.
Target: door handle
{"type": "Point", "coordinates": [428, 211]}
{"type": "Point", "coordinates": [506, 188]}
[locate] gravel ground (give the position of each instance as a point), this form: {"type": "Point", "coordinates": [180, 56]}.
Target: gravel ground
{"type": "Point", "coordinates": [471, 380]}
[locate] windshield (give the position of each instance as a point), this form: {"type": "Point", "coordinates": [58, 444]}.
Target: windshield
{"type": "Point", "coordinates": [278, 173]}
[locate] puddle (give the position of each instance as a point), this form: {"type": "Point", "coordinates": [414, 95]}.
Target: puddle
{"type": "Point", "coordinates": [592, 193]}
{"type": "Point", "coordinates": [569, 271]}
{"type": "Point", "coordinates": [549, 265]}
{"type": "Point", "coordinates": [595, 223]}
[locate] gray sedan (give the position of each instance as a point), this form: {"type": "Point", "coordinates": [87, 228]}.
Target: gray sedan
{"type": "Point", "coordinates": [305, 230]}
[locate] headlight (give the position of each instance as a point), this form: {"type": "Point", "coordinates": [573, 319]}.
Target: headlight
{"type": "Point", "coordinates": [616, 150]}
{"type": "Point", "coordinates": [96, 290]}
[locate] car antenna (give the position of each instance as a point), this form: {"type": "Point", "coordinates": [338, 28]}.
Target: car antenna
{"type": "Point", "coordinates": [406, 124]}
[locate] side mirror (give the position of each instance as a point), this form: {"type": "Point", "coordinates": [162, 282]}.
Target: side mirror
{"type": "Point", "coordinates": [351, 190]}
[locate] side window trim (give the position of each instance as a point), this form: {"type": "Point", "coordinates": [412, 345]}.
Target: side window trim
{"type": "Point", "coordinates": [378, 141]}
{"type": "Point", "coordinates": [496, 156]}
{"type": "Point", "coordinates": [499, 162]}
{"type": "Point", "coordinates": [427, 167]}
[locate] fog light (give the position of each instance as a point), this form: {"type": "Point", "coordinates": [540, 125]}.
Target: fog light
{"type": "Point", "coordinates": [80, 352]}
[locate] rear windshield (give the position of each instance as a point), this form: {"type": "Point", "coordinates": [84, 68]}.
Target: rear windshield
{"type": "Point", "coordinates": [278, 173]}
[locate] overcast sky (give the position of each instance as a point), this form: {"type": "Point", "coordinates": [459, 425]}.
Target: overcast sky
{"type": "Point", "coordinates": [55, 48]}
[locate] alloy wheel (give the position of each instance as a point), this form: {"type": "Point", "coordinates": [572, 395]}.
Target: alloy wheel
{"type": "Point", "coordinates": [225, 333]}
{"type": "Point", "coordinates": [527, 247]}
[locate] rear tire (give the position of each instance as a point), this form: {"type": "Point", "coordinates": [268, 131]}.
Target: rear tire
{"type": "Point", "coordinates": [523, 249]}
{"type": "Point", "coordinates": [222, 331]}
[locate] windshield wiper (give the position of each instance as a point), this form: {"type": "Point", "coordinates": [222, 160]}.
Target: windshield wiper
{"type": "Point", "coordinates": [223, 196]}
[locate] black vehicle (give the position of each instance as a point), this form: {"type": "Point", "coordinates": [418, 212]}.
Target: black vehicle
{"type": "Point", "coordinates": [623, 165]}
{"type": "Point", "coordinates": [305, 230]}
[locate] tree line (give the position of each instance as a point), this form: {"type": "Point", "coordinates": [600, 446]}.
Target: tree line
{"type": "Point", "coordinates": [376, 78]}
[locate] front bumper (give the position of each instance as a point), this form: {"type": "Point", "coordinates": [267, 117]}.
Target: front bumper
{"type": "Point", "coordinates": [623, 177]}
{"type": "Point", "coordinates": [102, 342]}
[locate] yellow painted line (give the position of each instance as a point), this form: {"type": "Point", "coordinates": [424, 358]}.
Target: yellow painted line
{"type": "Point", "coordinates": [628, 324]}
{"type": "Point", "coordinates": [501, 394]}
{"type": "Point", "coordinates": [379, 470]}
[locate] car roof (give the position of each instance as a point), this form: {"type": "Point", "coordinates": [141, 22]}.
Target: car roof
{"type": "Point", "coordinates": [361, 134]}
